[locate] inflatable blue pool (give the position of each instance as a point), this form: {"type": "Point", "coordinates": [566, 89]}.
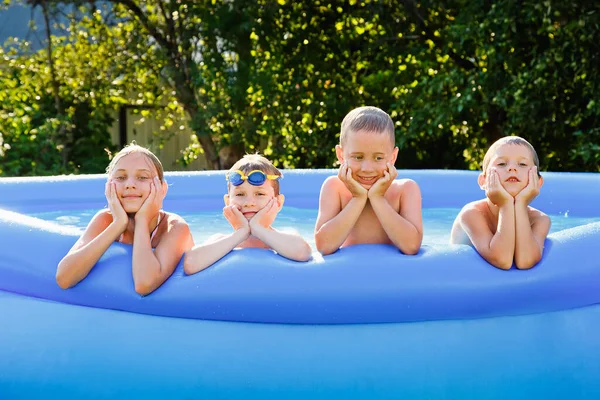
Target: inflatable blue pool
{"type": "Point", "coordinates": [365, 322]}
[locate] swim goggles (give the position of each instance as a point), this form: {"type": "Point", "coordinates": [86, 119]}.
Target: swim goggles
{"type": "Point", "coordinates": [255, 178]}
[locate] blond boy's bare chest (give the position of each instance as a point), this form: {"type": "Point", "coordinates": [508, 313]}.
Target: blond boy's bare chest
{"type": "Point", "coordinates": [368, 228]}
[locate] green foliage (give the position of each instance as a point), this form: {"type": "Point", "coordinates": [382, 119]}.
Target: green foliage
{"type": "Point", "coordinates": [279, 76]}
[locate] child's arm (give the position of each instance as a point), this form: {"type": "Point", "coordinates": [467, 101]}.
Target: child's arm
{"type": "Point", "coordinates": [530, 233]}
{"type": "Point", "coordinates": [151, 269]}
{"type": "Point", "coordinates": [208, 253]}
{"type": "Point", "coordinates": [334, 224]}
{"type": "Point", "coordinates": [288, 245]}
{"type": "Point", "coordinates": [405, 229]}
{"type": "Point", "coordinates": [103, 230]}
{"type": "Point", "coordinates": [496, 248]}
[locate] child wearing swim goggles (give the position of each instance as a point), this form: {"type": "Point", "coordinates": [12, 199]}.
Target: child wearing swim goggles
{"type": "Point", "coordinates": [252, 203]}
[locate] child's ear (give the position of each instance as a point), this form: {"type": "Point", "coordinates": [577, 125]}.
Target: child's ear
{"type": "Point", "coordinates": [280, 201]}
{"type": "Point", "coordinates": [226, 200]}
{"type": "Point", "coordinates": [481, 181]}
{"type": "Point", "coordinates": [165, 186]}
{"type": "Point", "coordinates": [394, 156]}
{"type": "Point", "coordinates": [339, 152]}
{"type": "Point", "coordinates": [540, 181]}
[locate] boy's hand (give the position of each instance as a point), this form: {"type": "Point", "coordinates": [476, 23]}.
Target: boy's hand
{"type": "Point", "coordinates": [495, 191]}
{"type": "Point", "coordinates": [345, 175]}
{"type": "Point", "coordinates": [266, 216]}
{"type": "Point", "coordinates": [383, 184]}
{"type": "Point", "coordinates": [115, 207]}
{"type": "Point", "coordinates": [532, 190]}
{"type": "Point", "coordinates": [234, 216]}
{"type": "Point", "coordinates": [153, 202]}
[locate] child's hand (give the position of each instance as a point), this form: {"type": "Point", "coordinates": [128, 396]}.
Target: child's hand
{"type": "Point", "coordinates": [153, 202]}
{"type": "Point", "coordinates": [266, 216]}
{"type": "Point", "coordinates": [495, 191]}
{"type": "Point", "coordinates": [532, 190]}
{"type": "Point", "coordinates": [234, 216]}
{"type": "Point", "coordinates": [383, 184]}
{"type": "Point", "coordinates": [114, 205]}
{"type": "Point", "coordinates": [345, 175]}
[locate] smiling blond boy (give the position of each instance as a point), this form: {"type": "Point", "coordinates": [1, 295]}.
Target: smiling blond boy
{"type": "Point", "coordinates": [365, 203]}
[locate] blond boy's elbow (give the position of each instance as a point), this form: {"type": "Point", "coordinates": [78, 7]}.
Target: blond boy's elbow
{"type": "Point", "coordinates": [144, 288]}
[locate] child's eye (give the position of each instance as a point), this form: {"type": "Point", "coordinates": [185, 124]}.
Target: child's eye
{"type": "Point", "coordinates": [522, 164]}
{"type": "Point", "coordinates": [260, 194]}
{"type": "Point", "coordinates": [143, 178]}
{"type": "Point", "coordinates": [501, 164]}
{"type": "Point", "coordinates": [379, 158]}
{"type": "Point", "coordinates": [239, 194]}
{"type": "Point", "coordinates": [357, 157]}
{"type": "Point", "coordinates": [119, 178]}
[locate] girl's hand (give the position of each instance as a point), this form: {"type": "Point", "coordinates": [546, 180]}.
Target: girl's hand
{"type": "Point", "coordinates": [153, 203]}
{"type": "Point", "coordinates": [495, 191]}
{"type": "Point", "coordinates": [266, 216]}
{"type": "Point", "coordinates": [345, 175]}
{"type": "Point", "coordinates": [115, 207]}
{"type": "Point", "coordinates": [235, 217]}
{"type": "Point", "coordinates": [532, 190]}
{"type": "Point", "coordinates": [383, 184]}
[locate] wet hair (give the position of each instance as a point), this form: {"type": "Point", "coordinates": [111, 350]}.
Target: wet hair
{"type": "Point", "coordinates": [251, 162]}
{"type": "Point", "coordinates": [367, 119]}
{"type": "Point", "coordinates": [515, 140]}
{"type": "Point", "coordinates": [135, 148]}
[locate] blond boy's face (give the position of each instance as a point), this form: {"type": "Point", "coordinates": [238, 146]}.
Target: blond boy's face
{"type": "Point", "coordinates": [367, 154]}
{"type": "Point", "coordinates": [512, 162]}
{"type": "Point", "coordinates": [250, 199]}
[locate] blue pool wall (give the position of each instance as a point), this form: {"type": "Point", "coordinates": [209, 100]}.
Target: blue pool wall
{"type": "Point", "coordinates": [575, 193]}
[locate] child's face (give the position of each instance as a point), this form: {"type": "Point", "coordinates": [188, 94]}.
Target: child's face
{"type": "Point", "coordinates": [512, 162]}
{"type": "Point", "coordinates": [132, 176]}
{"type": "Point", "coordinates": [250, 199]}
{"type": "Point", "coordinates": [367, 154]}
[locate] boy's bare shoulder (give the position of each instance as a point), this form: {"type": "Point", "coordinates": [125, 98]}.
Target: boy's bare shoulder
{"type": "Point", "coordinates": [405, 184]}
{"type": "Point", "coordinates": [333, 184]}
{"type": "Point", "coordinates": [536, 215]}
{"type": "Point", "coordinates": [175, 219]}
{"type": "Point", "coordinates": [474, 208]}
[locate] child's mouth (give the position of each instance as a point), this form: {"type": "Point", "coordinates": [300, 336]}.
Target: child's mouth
{"type": "Point", "coordinates": [512, 179]}
{"type": "Point", "coordinates": [367, 180]}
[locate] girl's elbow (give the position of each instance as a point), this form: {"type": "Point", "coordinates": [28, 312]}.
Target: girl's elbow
{"type": "Point", "coordinates": [503, 264]}
{"type": "Point", "coordinates": [411, 250]}
{"type": "Point", "coordinates": [526, 264]}
{"type": "Point", "coordinates": [304, 254]}
{"type": "Point", "coordinates": [62, 280]}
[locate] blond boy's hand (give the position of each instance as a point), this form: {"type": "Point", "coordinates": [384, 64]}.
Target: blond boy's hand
{"type": "Point", "coordinates": [383, 184]}
{"type": "Point", "coordinates": [532, 190]}
{"type": "Point", "coordinates": [345, 175]}
{"type": "Point", "coordinates": [153, 203]}
{"type": "Point", "coordinates": [495, 191]}
{"type": "Point", "coordinates": [234, 216]}
{"type": "Point", "coordinates": [266, 216]}
{"type": "Point", "coordinates": [115, 207]}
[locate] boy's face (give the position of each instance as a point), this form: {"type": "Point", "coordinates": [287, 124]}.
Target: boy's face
{"type": "Point", "coordinates": [512, 162]}
{"type": "Point", "coordinates": [367, 154]}
{"type": "Point", "coordinates": [132, 176]}
{"type": "Point", "coordinates": [251, 199]}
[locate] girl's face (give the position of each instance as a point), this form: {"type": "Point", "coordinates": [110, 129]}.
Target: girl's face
{"type": "Point", "coordinates": [132, 176]}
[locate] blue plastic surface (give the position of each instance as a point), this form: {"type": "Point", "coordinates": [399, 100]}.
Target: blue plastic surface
{"type": "Point", "coordinates": [475, 332]}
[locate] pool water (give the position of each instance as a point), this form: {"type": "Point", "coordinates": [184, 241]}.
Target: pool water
{"type": "Point", "coordinates": [437, 222]}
